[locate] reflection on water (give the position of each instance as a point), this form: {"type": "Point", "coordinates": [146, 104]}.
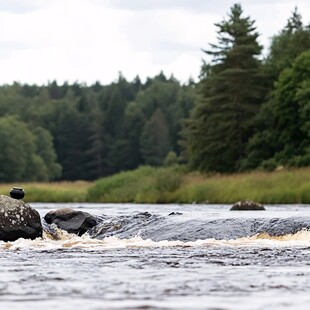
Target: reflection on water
{"type": "Point", "coordinates": [251, 272]}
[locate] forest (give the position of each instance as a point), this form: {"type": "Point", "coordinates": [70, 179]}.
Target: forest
{"type": "Point", "coordinates": [248, 111]}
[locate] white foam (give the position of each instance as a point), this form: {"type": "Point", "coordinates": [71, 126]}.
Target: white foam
{"type": "Point", "coordinates": [66, 240]}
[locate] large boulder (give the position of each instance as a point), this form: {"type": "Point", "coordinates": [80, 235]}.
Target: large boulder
{"type": "Point", "coordinates": [247, 205]}
{"type": "Point", "coordinates": [18, 220]}
{"type": "Point", "coordinates": [76, 222]}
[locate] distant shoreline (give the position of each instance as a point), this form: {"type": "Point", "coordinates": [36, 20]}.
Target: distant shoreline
{"type": "Point", "coordinates": [175, 185]}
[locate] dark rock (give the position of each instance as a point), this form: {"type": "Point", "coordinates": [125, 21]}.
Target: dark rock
{"type": "Point", "coordinates": [76, 222]}
{"type": "Point", "coordinates": [142, 215]}
{"type": "Point", "coordinates": [247, 205]}
{"type": "Point", "coordinates": [17, 193]}
{"type": "Point", "coordinates": [175, 213]}
{"type": "Point", "coordinates": [18, 220]}
{"type": "Point", "coordinates": [124, 226]}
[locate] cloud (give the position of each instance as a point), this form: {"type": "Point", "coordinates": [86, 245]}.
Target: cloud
{"type": "Point", "coordinates": [8, 47]}
{"type": "Point", "coordinates": [82, 40]}
{"type": "Point", "coordinates": [22, 6]}
{"type": "Point", "coordinates": [192, 5]}
{"type": "Point", "coordinates": [198, 6]}
{"type": "Point", "coordinates": [163, 32]}
{"type": "Point", "coordinates": [68, 41]}
{"type": "Point", "coordinates": [89, 40]}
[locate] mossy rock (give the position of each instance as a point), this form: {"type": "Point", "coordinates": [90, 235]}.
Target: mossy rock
{"type": "Point", "coordinates": [18, 220]}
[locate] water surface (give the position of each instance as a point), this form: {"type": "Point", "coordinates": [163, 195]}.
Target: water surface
{"type": "Point", "coordinates": [117, 272]}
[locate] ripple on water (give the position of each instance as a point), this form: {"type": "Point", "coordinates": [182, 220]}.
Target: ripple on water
{"type": "Point", "coordinates": [256, 272]}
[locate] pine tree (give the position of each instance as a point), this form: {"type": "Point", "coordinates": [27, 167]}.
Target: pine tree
{"type": "Point", "coordinates": [229, 97]}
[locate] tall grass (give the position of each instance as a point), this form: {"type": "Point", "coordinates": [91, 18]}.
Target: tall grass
{"type": "Point", "coordinates": [51, 191]}
{"type": "Point", "coordinates": [286, 186]}
{"type": "Point", "coordinates": [175, 185]}
{"type": "Point", "coordinates": [143, 185]}
{"type": "Point", "coordinates": [170, 185]}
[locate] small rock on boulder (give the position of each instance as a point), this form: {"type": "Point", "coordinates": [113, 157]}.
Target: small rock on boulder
{"type": "Point", "coordinates": [75, 222]}
{"type": "Point", "coordinates": [247, 205]}
{"type": "Point", "coordinates": [18, 220]}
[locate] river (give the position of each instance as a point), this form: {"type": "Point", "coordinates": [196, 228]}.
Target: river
{"type": "Point", "coordinates": [199, 257]}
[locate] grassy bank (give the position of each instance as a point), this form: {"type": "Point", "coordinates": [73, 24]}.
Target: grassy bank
{"type": "Point", "coordinates": [175, 185]}
{"type": "Point", "coordinates": [169, 185]}
{"type": "Point", "coordinates": [143, 185]}
{"type": "Point", "coordinates": [51, 192]}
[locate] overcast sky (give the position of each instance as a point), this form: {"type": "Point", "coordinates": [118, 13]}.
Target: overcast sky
{"type": "Point", "coordinates": [90, 40]}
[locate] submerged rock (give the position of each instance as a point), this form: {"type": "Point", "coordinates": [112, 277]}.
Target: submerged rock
{"type": "Point", "coordinates": [247, 205]}
{"type": "Point", "coordinates": [175, 213]}
{"type": "Point", "coordinates": [76, 222]}
{"type": "Point", "coordinates": [284, 226]}
{"type": "Point", "coordinates": [18, 220]}
{"type": "Point", "coordinates": [126, 226]}
{"type": "Point", "coordinates": [172, 228]}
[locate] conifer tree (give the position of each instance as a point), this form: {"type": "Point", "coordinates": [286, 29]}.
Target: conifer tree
{"type": "Point", "coordinates": [229, 97]}
{"type": "Point", "coordinates": [292, 40]}
{"type": "Point", "coordinates": [279, 138]}
{"type": "Point", "coordinates": [155, 143]}
{"type": "Point", "coordinates": [285, 137]}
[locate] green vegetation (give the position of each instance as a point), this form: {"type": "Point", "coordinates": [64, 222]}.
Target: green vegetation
{"type": "Point", "coordinates": [246, 113]}
{"type": "Point", "coordinates": [230, 97]}
{"type": "Point", "coordinates": [78, 132]}
{"type": "Point", "coordinates": [50, 192]}
{"type": "Point", "coordinates": [26, 153]}
{"type": "Point", "coordinates": [175, 185]}
{"type": "Point", "coordinates": [144, 185]}
{"type": "Point", "coordinates": [252, 112]}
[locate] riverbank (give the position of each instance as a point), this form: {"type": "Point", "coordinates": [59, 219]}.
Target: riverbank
{"type": "Point", "coordinates": [176, 185]}
{"type": "Point", "coordinates": [51, 191]}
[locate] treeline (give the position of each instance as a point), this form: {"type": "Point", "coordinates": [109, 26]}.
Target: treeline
{"type": "Point", "coordinates": [79, 132]}
{"type": "Point", "coordinates": [252, 112]}
{"type": "Point", "coordinates": [246, 112]}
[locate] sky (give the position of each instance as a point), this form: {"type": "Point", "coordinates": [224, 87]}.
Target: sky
{"type": "Point", "coordinates": [86, 41]}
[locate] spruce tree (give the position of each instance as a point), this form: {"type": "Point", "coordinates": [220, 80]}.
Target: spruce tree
{"type": "Point", "coordinates": [230, 92]}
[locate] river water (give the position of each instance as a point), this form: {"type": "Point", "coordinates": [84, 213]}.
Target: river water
{"type": "Point", "coordinates": [199, 257]}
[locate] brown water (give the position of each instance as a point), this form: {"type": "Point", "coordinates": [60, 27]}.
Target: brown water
{"type": "Point", "coordinates": [249, 272]}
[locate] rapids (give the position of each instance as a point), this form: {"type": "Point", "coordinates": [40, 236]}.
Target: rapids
{"type": "Point", "coordinates": [140, 257]}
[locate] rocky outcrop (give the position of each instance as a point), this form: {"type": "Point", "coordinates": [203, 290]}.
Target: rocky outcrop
{"type": "Point", "coordinates": [18, 220]}
{"type": "Point", "coordinates": [76, 222]}
{"type": "Point", "coordinates": [247, 205]}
